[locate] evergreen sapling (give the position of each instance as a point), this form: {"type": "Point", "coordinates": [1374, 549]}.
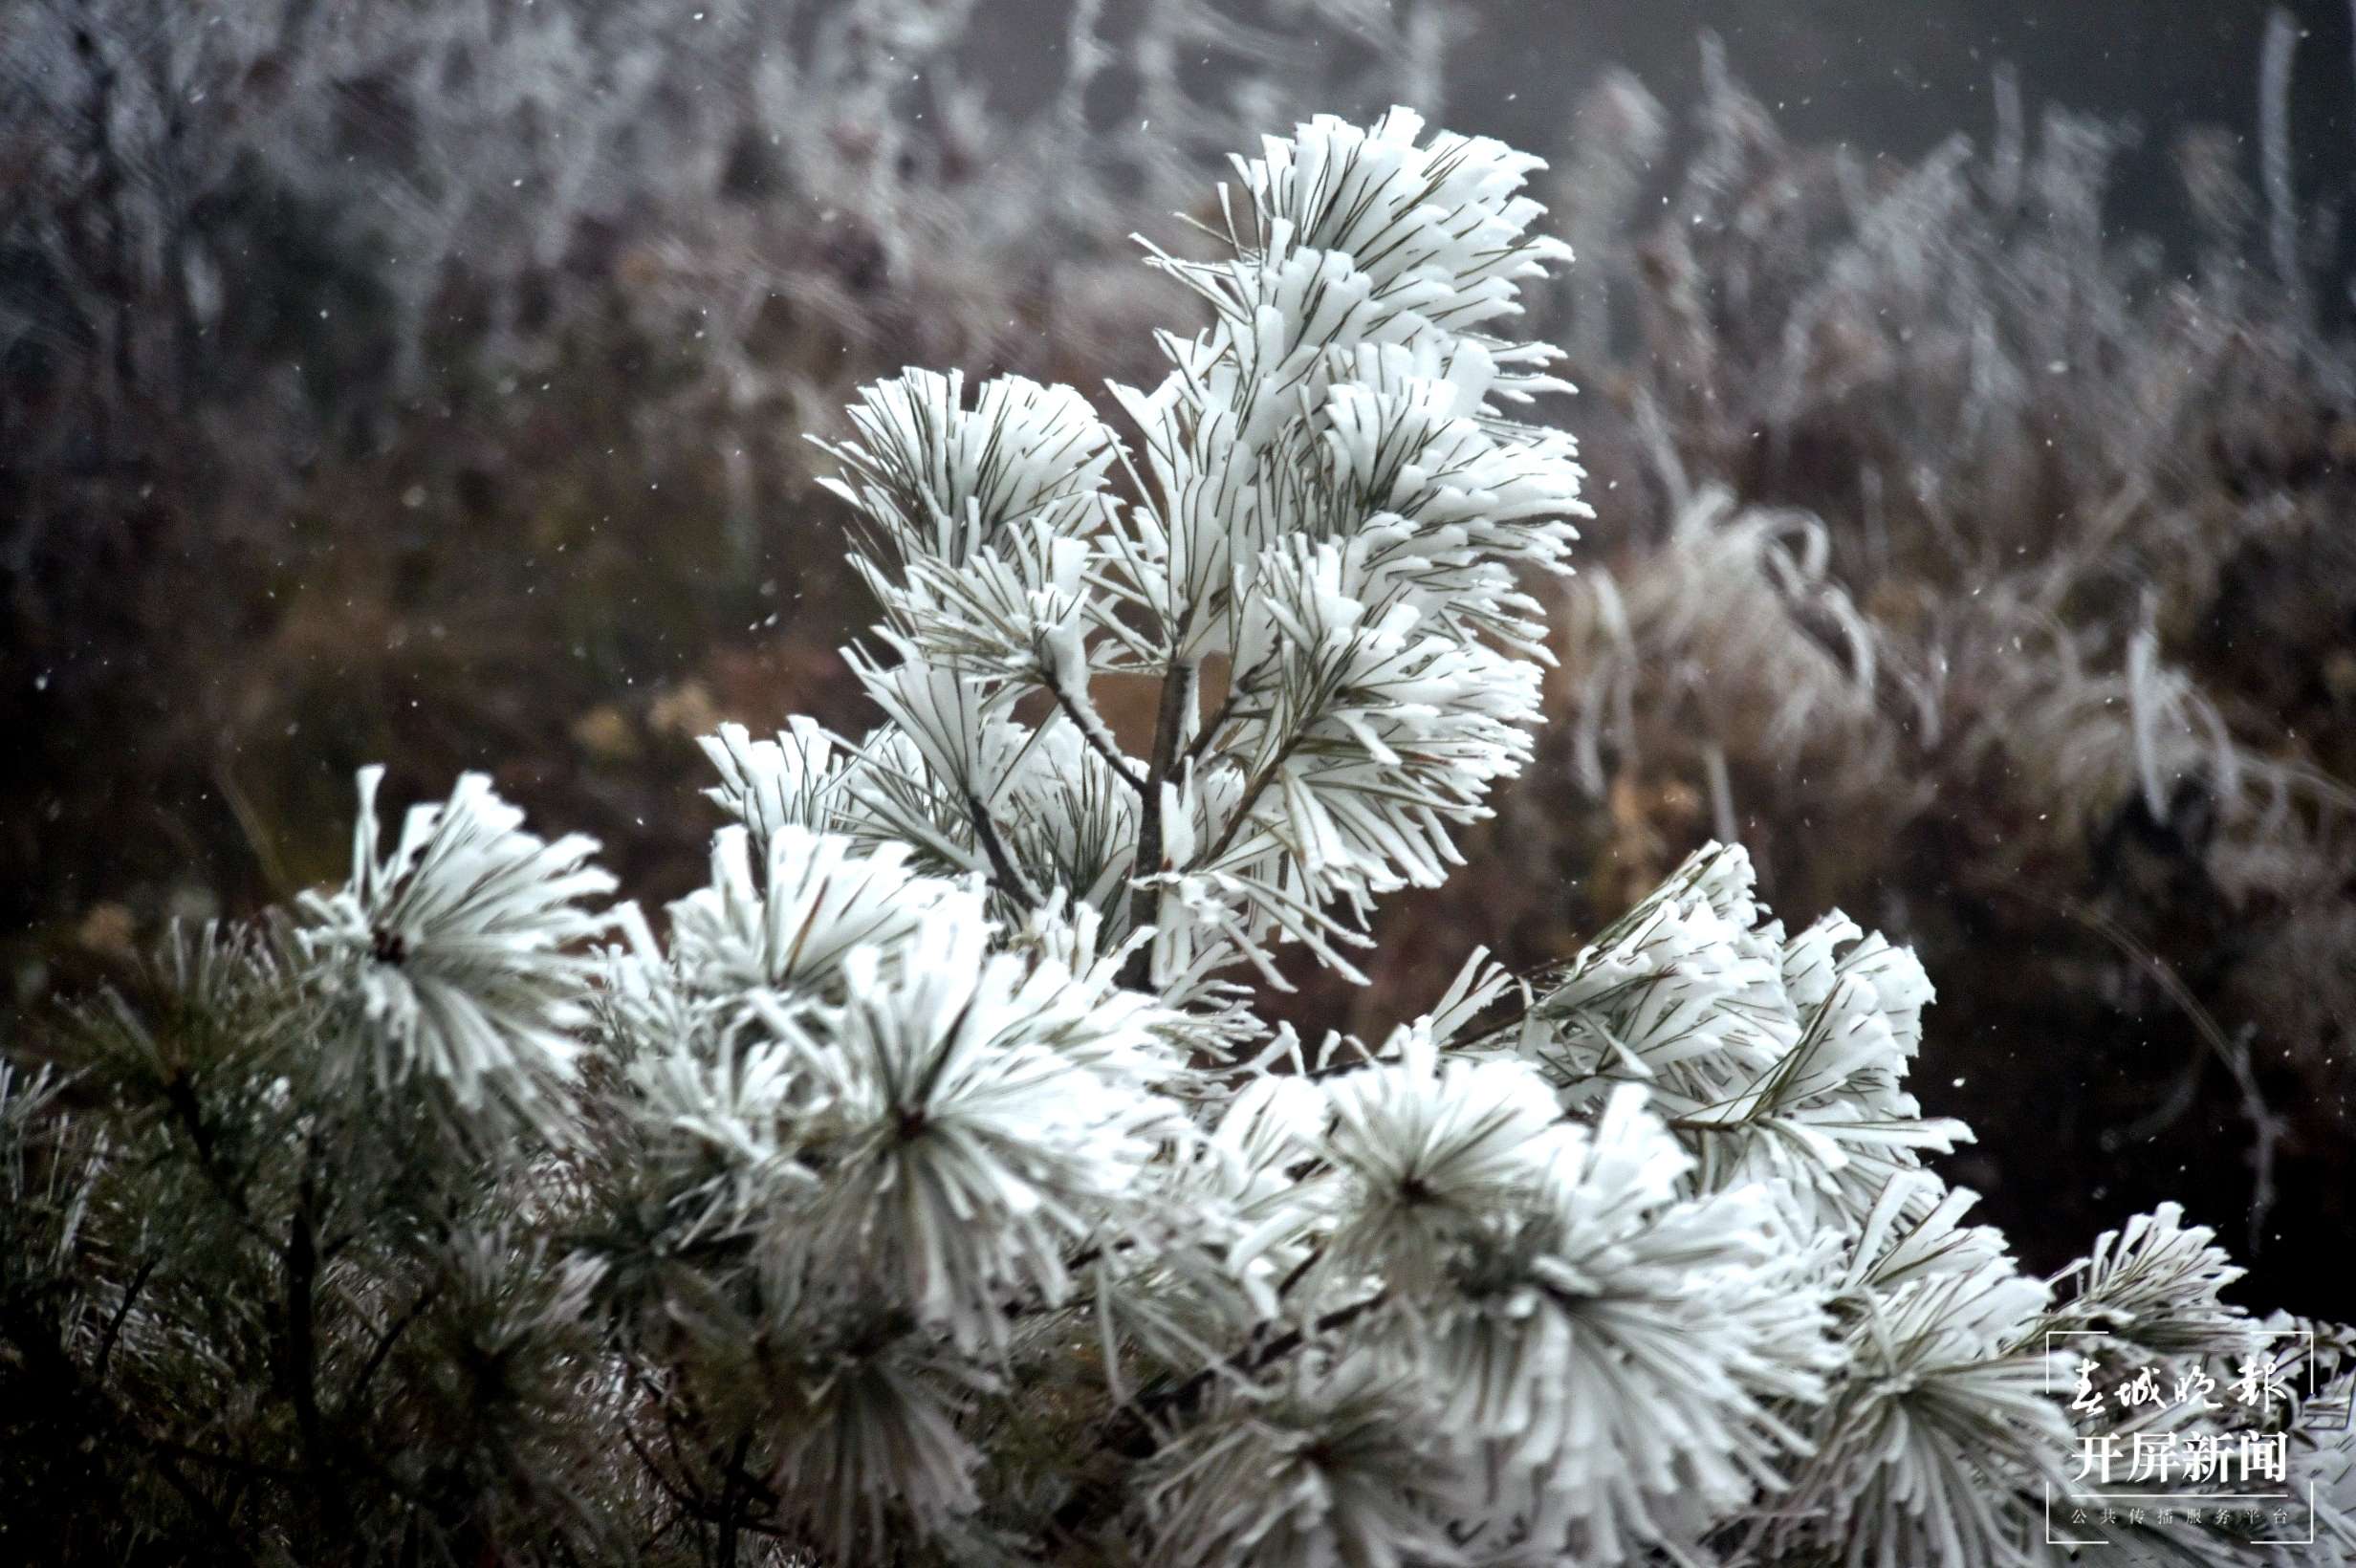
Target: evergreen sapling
{"type": "Point", "coordinates": [931, 1191]}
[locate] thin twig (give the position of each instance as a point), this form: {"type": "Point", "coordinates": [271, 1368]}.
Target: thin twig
{"type": "Point", "coordinates": [1091, 727]}
{"type": "Point", "coordinates": [732, 1500]}
{"type": "Point", "coordinates": [1004, 873]}
{"type": "Point", "coordinates": [1144, 899]}
{"type": "Point", "coordinates": [1252, 793]}
{"type": "Point", "coordinates": [123, 1311]}
{"type": "Point", "coordinates": [384, 1345]}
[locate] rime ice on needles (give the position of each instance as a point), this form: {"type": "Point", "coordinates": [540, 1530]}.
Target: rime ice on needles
{"type": "Point", "coordinates": [1618, 1362]}
{"type": "Point", "coordinates": [1423, 1151]}
{"type": "Point", "coordinates": [461, 947]}
{"type": "Point", "coordinates": [1942, 1429]}
{"type": "Point", "coordinates": [940, 480]}
{"type": "Point", "coordinates": [1335, 1465]}
{"type": "Point", "coordinates": [938, 1191]}
{"type": "Point", "coordinates": [2153, 1284]}
{"type": "Point", "coordinates": [1330, 498]}
{"type": "Point", "coordinates": [1779, 1058]}
{"type": "Point", "coordinates": [816, 897]}
{"type": "Point", "coordinates": [769, 784]}
{"type": "Point", "coordinates": [1326, 494]}
{"type": "Point", "coordinates": [981, 1118]}
{"type": "Point", "coordinates": [1611, 1338]}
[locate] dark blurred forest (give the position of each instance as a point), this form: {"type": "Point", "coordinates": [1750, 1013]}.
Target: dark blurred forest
{"type": "Point", "coordinates": [1967, 392]}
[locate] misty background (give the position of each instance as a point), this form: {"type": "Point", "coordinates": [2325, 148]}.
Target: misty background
{"type": "Point", "coordinates": [424, 383]}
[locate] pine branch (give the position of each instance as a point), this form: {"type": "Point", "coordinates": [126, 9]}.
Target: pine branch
{"type": "Point", "coordinates": [298, 1370]}
{"type": "Point", "coordinates": [350, 1405]}
{"type": "Point", "coordinates": [1004, 873]}
{"type": "Point", "coordinates": [732, 1500]}
{"type": "Point", "coordinates": [1257, 787]}
{"type": "Point", "coordinates": [122, 1312]}
{"type": "Point", "coordinates": [1131, 1429]}
{"type": "Point", "coordinates": [1091, 727]}
{"type": "Point", "coordinates": [1171, 717]}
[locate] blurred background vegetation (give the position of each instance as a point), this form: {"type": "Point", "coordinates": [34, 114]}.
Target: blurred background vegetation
{"type": "Point", "coordinates": [1967, 392]}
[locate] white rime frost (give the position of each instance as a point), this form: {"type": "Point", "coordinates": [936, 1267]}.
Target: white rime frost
{"type": "Point", "coordinates": [957, 1158]}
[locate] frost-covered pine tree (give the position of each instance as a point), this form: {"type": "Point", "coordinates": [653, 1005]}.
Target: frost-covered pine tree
{"type": "Point", "coordinates": [929, 1189]}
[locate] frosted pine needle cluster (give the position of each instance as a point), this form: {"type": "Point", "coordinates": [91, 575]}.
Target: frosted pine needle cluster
{"type": "Point", "coordinates": [929, 1189]}
{"type": "Point", "coordinates": [460, 948]}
